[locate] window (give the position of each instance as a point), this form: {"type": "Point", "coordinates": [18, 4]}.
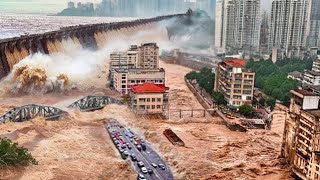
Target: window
{"type": "Point", "coordinates": [158, 99]}
{"type": "Point", "coordinates": [248, 98]}
{"type": "Point", "coordinates": [148, 107]}
{"type": "Point", "coordinates": [158, 107]}
{"type": "Point", "coordinates": [148, 99]}
{"type": "Point", "coordinates": [237, 86]}
{"type": "Point", "coordinates": [237, 91]}
{"type": "Point", "coordinates": [153, 106]}
{"type": "Point", "coordinates": [246, 92]}
{"type": "Point", "coordinates": [123, 76]}
{"type": "Point", "coordinates": [123, 82]}
{"type": "Point", "coordinates": [153, 99]}
{"type": "Point", "coordinates": [123, 86]}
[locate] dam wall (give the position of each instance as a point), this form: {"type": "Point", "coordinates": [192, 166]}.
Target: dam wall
{"type": "Point", "coordinates": [92, 36]}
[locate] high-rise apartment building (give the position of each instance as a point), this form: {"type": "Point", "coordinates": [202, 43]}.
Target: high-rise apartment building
{"type": "Point", "coordinates": [237, 25]}
{"type": "Point", "coordinates": [264, 32]}
{"type": "Point", "coordinates": [288, 28]}
{"type": "Point", "coordinates": [234, 82]}
{"type": "Point", "coordinates": [148, 56]}
{"type": "Point", "coordinates": [314, 24]}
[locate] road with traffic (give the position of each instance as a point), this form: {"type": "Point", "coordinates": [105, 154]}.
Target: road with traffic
{"type": "Point", "coordinates": [138, 151]}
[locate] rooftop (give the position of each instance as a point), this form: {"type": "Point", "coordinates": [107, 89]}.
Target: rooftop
{"type": "Point", "coordinates": [302, 92]}
{"type": "Point", "coordinates": [149, 44]}
{"type": "Point", "coordinates": [148, 88]}
{"type": "Point", "coordinates": [235, 62]}
{"type": "Point", "coordinates": [315, 112]}
{"type": "Point", "coordinates": [313, 73]}
{"type": "Point", "coordinates": [295, 74]}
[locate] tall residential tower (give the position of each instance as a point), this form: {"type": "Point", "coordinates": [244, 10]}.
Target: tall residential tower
{"type": "Point", "coordinates": [288, 28]}
{"type": "Point", "coordinates": [237, 25]}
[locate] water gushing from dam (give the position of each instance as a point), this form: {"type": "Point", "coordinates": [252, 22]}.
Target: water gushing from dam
{"type": "Point", "coordinates": [13, 50]}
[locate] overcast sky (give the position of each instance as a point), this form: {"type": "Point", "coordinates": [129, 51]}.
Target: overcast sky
{"type": "Point", "coordinates": [54, 6]}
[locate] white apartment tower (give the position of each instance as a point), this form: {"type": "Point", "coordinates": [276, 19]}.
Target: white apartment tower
{"type": "Point", "coordinates": [237, 25]}
{"type": "Point", "coordinates": [314, 24]}
{"type": "Point", "coordinates": [288, 28]}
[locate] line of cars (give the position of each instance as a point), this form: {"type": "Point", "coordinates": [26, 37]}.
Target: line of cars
{"type": "Point", "coordinates": [124, 139]}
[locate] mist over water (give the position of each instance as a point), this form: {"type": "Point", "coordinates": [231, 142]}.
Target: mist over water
{"type": "Point", "coordinates": [81, 65]}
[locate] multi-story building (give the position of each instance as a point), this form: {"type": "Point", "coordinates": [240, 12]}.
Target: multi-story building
{"type": "Point", "coordinates": [288, 28]}
{"type": "Point", "coordinates": [234, 82]}
{"type": "Point", "coordinates": [148, 56]}
{"type": "Point", "coordinates": [313, 30]}
{"type": "Point", "coordinates": [148, 98]}
{"type": "Point", "coordinates": [301, 138]}
{"type": "Point", "coordinates": [237, 25]}
{"type": "Point", "coordinates": [125, 79]}
{"type": "Point", "coordinates": [264, 33]}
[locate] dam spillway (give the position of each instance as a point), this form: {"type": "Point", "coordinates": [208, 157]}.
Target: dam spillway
{"type": "Point", "coordinates": [94, 36]}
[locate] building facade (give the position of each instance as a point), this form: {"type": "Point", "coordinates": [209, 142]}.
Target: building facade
{"type": "Point", "coordinates": [237, 25]}
{"type": "Point", "coordinates": [234, 82]}
{"type": "Point", "coordinates": [148, 56]}
{"type": "Point", "coordinates": [148, 98]}
{"type": "Point", "coordinates": [314, 24]}
{"type": "Point", "coordinates": [301, 138]}
{"type": "Point", "coordinates": [288, 28]}
{"type": "Point", "coordinates": [125, 79]}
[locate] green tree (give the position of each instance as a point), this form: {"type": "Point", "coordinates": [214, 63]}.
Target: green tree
{"type": "Point", "coordinates": [262, 101]}
{"type": "Point", "coordinates": [271, 102]}
{"type": "Point", "coordinates": [219, 98]}
{"type": "Point", "coordinates": [12, 155]}
{"type": "Point", "coordinates": [246, 109]}
{"type": "Point", "coordinates": [192, 75]}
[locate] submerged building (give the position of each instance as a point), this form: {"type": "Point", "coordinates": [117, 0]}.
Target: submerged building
{"type": "Point", "coordinates": [148, 98]}
{"type": "Point", "coordinates": [235, 82]}
{"type": "Point", "coordinates": [125, 79]}
{"type": "Point", "coordinates": [301, 138]}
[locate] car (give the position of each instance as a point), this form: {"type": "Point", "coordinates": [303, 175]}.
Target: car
{"type": "Point", "coordinates": [161, 166]}
{"type": "Point", "coordinates": [121, 150]}
{"type": "Point", "coordinates": [139, 147]}
{"type": "Point", "coordinates": [129, 147]}
{"type": "Point", "coordinates": [144, 147]}
{"type": "Point", "coordinates": [140, 164]}
{"type": "Point", "coordinates": [150, 171]}
{"type": "Point", "coordinates": [144, 170]}
{"type": "Point", "coordinates": [131, 140]}
{"type": "Point", "coordinates": [126, 153]}
{"type": "Point", "coordinates": [133, 157]}
{"type": "Point", "coordinates": [123, 146]}
{"type": "Point", "coordinates": [154, 165]}
{"type": "Point", "coordinates": [141, 177]}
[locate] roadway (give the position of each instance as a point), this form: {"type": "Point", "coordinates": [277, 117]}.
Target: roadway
{"type": "Point", "coordinates": [148, 156]}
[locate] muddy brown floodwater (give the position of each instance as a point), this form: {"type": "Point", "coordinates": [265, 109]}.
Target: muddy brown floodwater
{"type": "Point", "coordinates": [78, 147]}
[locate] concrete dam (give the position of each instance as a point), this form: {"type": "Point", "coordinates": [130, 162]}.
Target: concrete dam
{"type": "Point", "coordinates": [92, 36]}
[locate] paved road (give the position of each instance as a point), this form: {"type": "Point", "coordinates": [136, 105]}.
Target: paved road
{"type": "Point", "coordinates": [147, 157]}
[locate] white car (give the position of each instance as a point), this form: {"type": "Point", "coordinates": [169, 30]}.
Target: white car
{"type": "Point", "coordinates": [144, 170]}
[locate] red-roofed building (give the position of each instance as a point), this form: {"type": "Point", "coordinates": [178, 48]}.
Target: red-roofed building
{"type": "Point", "coordinates": [234, 82]}
{"type": "Point", "coordinates": [235, 62]}
{"type": "Point", "coordinates": [149, 98]}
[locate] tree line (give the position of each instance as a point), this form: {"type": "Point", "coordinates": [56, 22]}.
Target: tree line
{"type": "Point", "coordinates": [272, 79]}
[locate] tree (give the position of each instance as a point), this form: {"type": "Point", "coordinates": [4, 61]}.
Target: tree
{"type": "Point", "coordinates": [262, 101]}
{"type": "Point", "coordinates": [11, 154]}
{"type": "Point", "coordinates": [271, 102]}
{"type": "Point", "coordinates": [219, 98]}
{"type": "Point", "coordinates": [245, 109]}
{"type": "Point", "coordinates": [192, 75]}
